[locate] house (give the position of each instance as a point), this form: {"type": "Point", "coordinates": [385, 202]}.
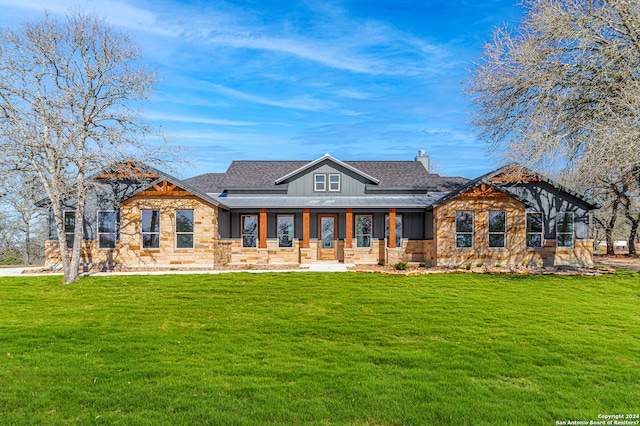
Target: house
{"type": "Point", "coordinates": [300, 212]}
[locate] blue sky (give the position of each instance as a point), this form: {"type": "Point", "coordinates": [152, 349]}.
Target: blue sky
{"type": "Point", "coordinates": [276, 80]}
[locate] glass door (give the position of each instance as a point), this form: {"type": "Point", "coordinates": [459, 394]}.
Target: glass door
{"type": "Point", "coordinates": [327, 232]}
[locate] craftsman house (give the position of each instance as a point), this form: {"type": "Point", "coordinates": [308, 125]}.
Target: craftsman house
{"type": "Point", "coordinates": [298, 212]}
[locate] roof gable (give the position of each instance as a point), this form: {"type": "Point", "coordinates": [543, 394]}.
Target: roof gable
{"type": "Point", "coordinates": [510, 174]}
{"type": "Point", "coordinates": [154, 182]}
{"type": "Point", "coordinates": [326, 157]}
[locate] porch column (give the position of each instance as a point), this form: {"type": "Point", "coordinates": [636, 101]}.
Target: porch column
{"type": "Point", "coordinates": [263, 229]}
{"type": "Point", "coordinates": [348, 243]}
{"type": "Point", "coordinates": [305, 228]}
{"type": "Point", "coordinates": [392, 228]}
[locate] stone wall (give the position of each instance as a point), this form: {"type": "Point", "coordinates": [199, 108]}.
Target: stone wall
{"type": "Point", "coordinates": [414, 251]}
{"type": "Point", "coordinates": [445, 217]}
{"type": "Point", "coordinates": [89, 254]}
{"type": "Point", "coordinates": [205, 233]}
{"type": "Point", "coordinates": [272, 255]}
{"type": "Point", "coordinates": [515, 252]}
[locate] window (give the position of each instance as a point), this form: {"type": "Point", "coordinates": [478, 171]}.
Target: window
{"type": "Point", "coordinates": [564, 229]}
{"type": "Point", "coordinates": [285, 230]}
{"type": "Point", "coordinates": [497, 229]}
{"type": "Point", "coordinates": [534, 230]}
{"type": "Point", "coordinates": [363, 230]}
{"type": "Point", "coordinates": [150, 229]}
{"type": "Point", "coordinates": [107, 230]}
{"type": "Point", "coordinates": [464, 229]}
{"type": "Point", "coordinates": [334, 183]}
{"type": "Point", "coordinates": [320, 183]}
{"type": "Point", "coordinates": [398, 229]}
{"type": "Point", "coordinates": [249, 230]}
{"type": "Point", "coordinates": [69, 217]}
{"type": "Point", "coordinates": [184, 229]}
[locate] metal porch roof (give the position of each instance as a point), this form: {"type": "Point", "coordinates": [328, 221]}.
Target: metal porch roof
{"type": "Point", "coordinates": [398, 201]}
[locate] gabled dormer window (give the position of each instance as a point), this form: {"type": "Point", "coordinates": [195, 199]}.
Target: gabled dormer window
{"type": "Point", "coordinates": [319, 183]}
{"type": "Point", "coordinates": [334, 183]}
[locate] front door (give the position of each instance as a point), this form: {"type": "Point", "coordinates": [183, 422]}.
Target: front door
{"type": "Point", "coordinates": [327, 232]}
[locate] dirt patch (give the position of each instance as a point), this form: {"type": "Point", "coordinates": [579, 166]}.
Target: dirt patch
{"type": "Point", "coordinates": [618, 261]}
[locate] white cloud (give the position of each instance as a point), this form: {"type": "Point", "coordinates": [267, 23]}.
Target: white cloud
{"type": "Point", "coordinates": [198, 120]}
{"type": "Point", "coordinates": [331, 38]}
{"type": "Point", "coordinates": [301, 102]}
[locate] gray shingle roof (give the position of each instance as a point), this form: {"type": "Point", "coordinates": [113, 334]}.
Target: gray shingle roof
{"type": "Point", "coordinates": [208, 182]}
{"type": "Point", "coordinates": [263, 174]}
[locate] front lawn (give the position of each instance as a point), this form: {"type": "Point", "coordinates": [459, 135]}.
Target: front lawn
{"type": "Point", "coordinates": [305, 348]}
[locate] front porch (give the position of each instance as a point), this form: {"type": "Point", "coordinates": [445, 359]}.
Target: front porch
{"type": "Point", "coordinates": [307, 236]}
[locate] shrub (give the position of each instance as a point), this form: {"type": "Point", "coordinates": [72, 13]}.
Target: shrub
{"type": "Point", "coordinates": [381, 263]}
{"type": "Point", "coordinates": [423, 265]}
{"type": "Point", "coordinates": [401, 266]}
{"type": "Point", "coordinates": [468, 267]}
{"type": "Point", "coordinates": [479, 264]}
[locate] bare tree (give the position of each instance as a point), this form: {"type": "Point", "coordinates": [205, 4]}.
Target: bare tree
{"type": "Point", "coordinates": [66, 90]}
{"type": "Point", "coordinates": [23, 215]}
{"type": "Point", "coordinates": [562, 90]}
{"type": "Point", "coordinates": [631, 203]}
{"type": "Point", "coordinates": [611, 202]}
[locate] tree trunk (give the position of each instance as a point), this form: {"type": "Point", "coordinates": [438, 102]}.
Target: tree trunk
{"type": "Point", "coordinates": [627, 203]}
{"type": "Point", "coordinates": [608, 235]}
{"type": "Point", "coordinates": [615, 205]}
{"type": "Point", "coordinates": [633, 232]}
{"type": "Point", "coordinates": [72, 274]}
{"type": "Point", "coordinates": [26, 257]}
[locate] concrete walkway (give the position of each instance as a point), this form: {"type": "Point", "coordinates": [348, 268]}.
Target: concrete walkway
{"type": "Point", "coordinates": [16, 272]}
{"type": "Point", "coordinates": [328, 267]}
{"type": "Point", "coordinates": [320, 267]}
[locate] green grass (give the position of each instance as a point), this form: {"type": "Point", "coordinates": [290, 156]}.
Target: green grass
{"type": "Point", "coordinates": [304, 348]}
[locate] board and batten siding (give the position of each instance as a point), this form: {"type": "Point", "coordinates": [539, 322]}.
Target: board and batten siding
{"type": "Point", "coordinates": [351, 184]}
{"type": "Point", "coordinates": [543, 197]}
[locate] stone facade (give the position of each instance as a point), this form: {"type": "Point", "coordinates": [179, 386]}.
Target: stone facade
{"type": "Point", "coordinates": [205, 234]}
{"type": "Point", "coordinates": [515, 252]}
{"type": "Point", "coordinates": [382, 191]}
{"type": "Point", "coordinates": [90, 254]}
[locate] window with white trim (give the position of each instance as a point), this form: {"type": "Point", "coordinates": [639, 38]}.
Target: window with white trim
{"type": "Point", "coordinates": [69, 219]}
{"type": "Point", "coordinates": [534, 230]}
{"type": "Point", "coordinates": [107, 229]}
{"type": "Point", "coordinates": [497, 229]}
{"type": "Point", "coordinates": [150, 229]}
{"type": "Point", "coordinates": [398, 229]}
{"type": "Point", "coordinates": [334, 183]}
{"type": "Point", "coordinates": [319, 182]}
{"type": "Point", "coordinates": [564, 229]}
{"type": "Point", "coordinates": [285, 230]}
{"type": "Point", "coordinates": [464, 229]}
{"type": "Point", "coordinates": [184, 229]}
{"type": "Point", "coordinates": [249, 230]}
{"type": "Point", "coordinates": [364, 230]}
